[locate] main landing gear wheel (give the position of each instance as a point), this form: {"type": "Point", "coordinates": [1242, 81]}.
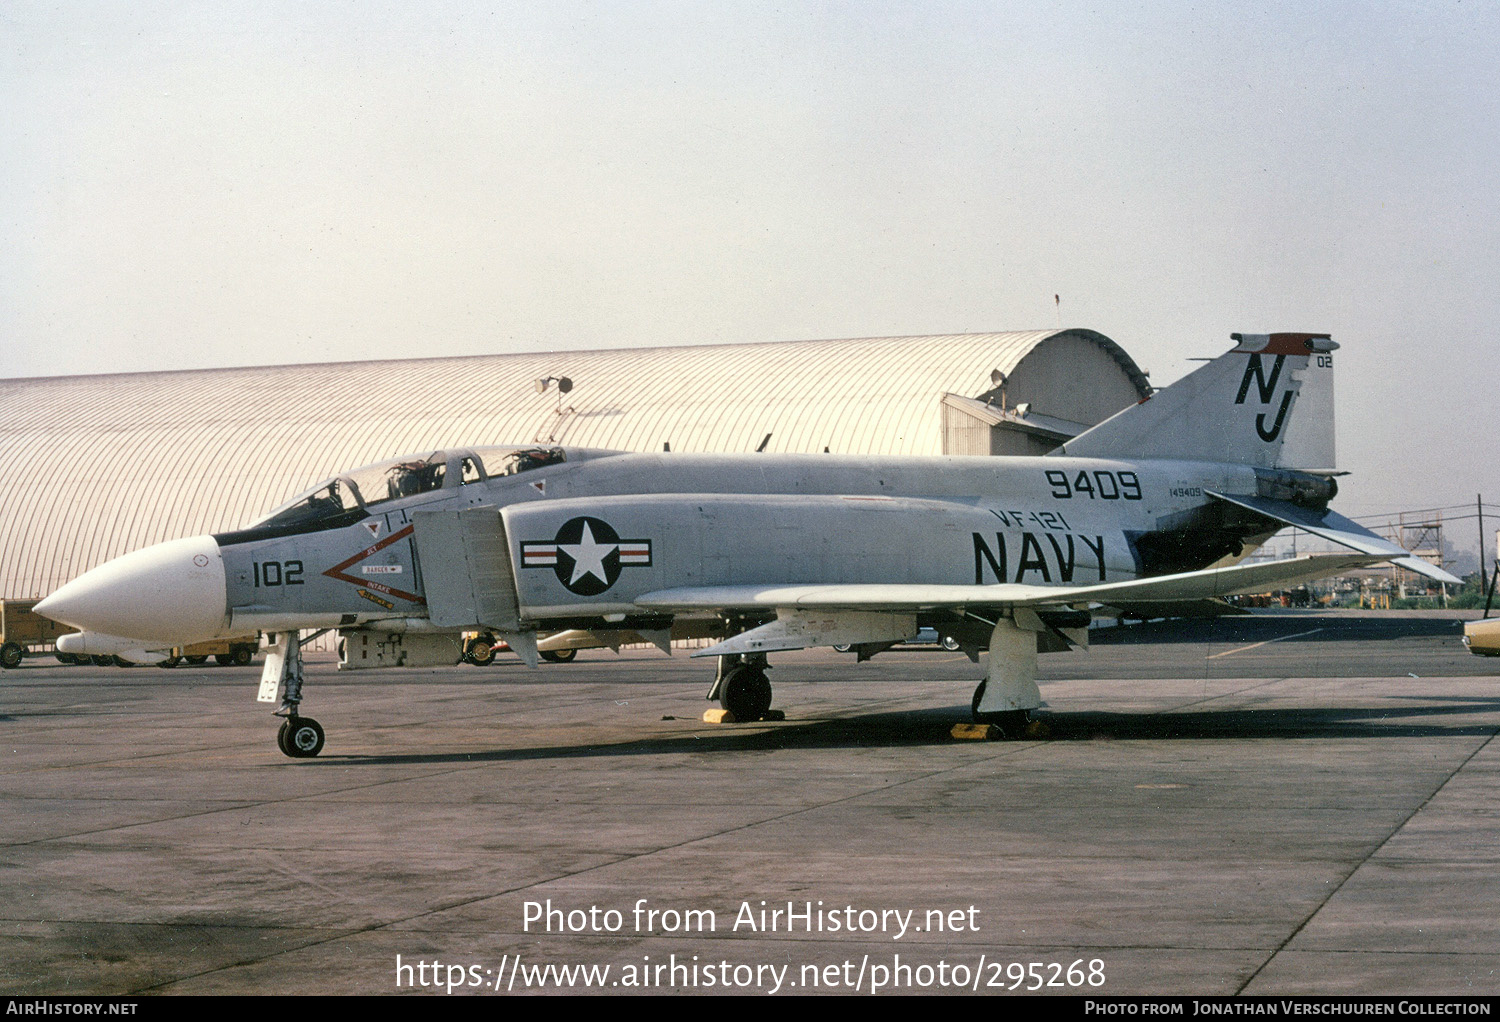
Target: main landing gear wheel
{"type": "Point", "coordinates": [481, 653]}
{"type": "Point", "coordinates": [300, 737]}
{"type": "Point", "coordinates": [1012, 723]}
{"type": "Point", "coordinates": [746, 693]}
{"type": "Point", "coordinates": [558, 656]}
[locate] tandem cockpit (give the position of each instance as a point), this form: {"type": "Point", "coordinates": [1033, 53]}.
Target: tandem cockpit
{"type": "Point", "coordinates": [347, 498]}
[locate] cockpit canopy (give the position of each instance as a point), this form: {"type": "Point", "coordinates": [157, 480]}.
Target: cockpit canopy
{"type": "Point", "coordinates": [352, 494]}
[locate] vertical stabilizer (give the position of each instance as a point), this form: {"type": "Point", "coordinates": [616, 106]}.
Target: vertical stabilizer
{"type": "Point", "coordinates": [1266, 402]}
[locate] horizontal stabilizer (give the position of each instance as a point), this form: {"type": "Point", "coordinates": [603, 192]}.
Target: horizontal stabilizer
{"type": "Point", "coordinates": [1332, 526]}
{"type": "Point", "coordinates": [1192, 585]}
{"type": "Point", "coordinates": [1421, 567]}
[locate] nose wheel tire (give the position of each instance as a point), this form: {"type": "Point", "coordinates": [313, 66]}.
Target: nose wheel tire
{"type": "Point", "coordinates": [300, 737]}
{"type": "Point", "coordinates": [746, 693]}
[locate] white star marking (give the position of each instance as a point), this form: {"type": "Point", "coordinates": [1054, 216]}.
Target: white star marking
{"type": "Point", "coordinates": [588, 556]}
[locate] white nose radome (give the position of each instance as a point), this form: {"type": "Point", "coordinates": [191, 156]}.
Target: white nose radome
{"type": "Point", "coordinates": [172, 593]}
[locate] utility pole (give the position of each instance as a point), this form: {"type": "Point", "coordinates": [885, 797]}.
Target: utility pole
{"type": "Point", "coordinates": [1479, 501]}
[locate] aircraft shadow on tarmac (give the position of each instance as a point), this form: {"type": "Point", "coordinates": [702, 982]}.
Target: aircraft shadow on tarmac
{"type": "Point", "coordinates": [931, 727]}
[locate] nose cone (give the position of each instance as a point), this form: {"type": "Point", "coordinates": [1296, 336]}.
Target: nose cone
{"type": "Point", "coordinates": [173, 592]}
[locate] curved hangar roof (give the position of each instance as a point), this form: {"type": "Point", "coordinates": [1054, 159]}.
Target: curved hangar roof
{"type": "Point", "coordinates": [92, 467]}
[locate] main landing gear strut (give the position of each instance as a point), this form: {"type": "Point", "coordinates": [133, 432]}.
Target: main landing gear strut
{"type": "Point", "coordinates": [1008, 693]}
{"type": "Point", "coordinates": [741, 686]}
{"type": "Point", "coordinates": [299, 737]}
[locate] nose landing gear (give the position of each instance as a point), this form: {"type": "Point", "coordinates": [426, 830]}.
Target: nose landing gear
{"type": "Point", "coordinates": [299, 737]}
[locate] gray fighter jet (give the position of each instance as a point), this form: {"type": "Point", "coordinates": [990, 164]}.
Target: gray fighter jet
{"type": "Point", "coordinates": [1156, 506]}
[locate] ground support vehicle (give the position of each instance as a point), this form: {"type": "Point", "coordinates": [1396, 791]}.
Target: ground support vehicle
{"type": "Point", "coordinates": [25, 633]}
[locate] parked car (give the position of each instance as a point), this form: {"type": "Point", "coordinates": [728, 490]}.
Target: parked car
{"type": "Point", "coordinates": [924, 637]}
{"type": "Point", "coordinates": [1483, 637]}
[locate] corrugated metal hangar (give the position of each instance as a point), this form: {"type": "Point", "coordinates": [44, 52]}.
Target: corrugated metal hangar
{"type": "Point", "coordinates": [92, 467]}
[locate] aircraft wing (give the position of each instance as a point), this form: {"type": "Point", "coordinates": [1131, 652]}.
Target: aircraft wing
{"type": "Point", "coordinates": [1332, 526]}
{"type": "Point", "coordinates": [1191, 585]}
{"type": "Point", "coordinates": [817, 615]}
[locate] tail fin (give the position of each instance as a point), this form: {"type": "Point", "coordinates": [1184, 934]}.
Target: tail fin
{"type": "Point", "coordinates": [1267, 402]}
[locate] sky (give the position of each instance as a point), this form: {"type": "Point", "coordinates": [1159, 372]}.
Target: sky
{"type": "Point", "coordinates": [191, 185]}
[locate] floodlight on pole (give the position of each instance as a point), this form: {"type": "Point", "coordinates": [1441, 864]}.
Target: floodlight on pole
{"type": "Point", "coordinates": [559, 413]}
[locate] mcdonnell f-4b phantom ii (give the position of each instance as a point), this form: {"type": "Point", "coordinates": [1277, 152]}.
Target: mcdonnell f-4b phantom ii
{"type": "Point", "coordinates": [1154, 507]}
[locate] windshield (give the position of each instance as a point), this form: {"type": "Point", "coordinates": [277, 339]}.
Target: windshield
{"type": "Point", "coordinates": [326, 501]}
{"type": "Point", "coordinates": [349, 495]}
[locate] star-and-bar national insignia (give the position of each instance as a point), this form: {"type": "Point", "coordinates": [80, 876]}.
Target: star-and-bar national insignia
{"type": "Point", "coordinates": [587, 555]}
